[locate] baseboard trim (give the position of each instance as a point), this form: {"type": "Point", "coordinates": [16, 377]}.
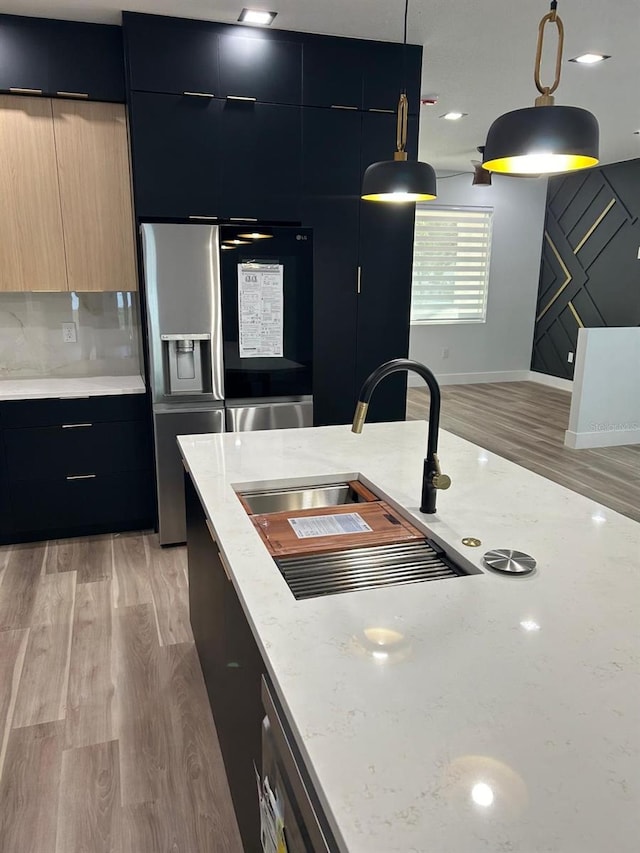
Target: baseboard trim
{"type": "Point", "coordinates": [551, 381]}
{"type": "Point", "coordinates": [473, 378]}
{"type": "Point", "coordinates": [610, 438]}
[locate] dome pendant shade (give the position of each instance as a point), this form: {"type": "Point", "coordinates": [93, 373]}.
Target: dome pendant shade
{"type": "Point", "coordinates": [399, 181]}
{"type": "Point", "coordinates": [542, 140]}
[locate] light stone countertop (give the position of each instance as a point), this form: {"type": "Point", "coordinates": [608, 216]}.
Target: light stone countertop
{"type": "Point", "coordinates": [503, 713]}
{"type": "Point", "coordinates": [88, 386]}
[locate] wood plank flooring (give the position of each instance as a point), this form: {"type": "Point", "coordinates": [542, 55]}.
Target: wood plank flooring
{"type": "Point", "coordinates": [525, 423]}
{"type": "Point", "coordinates": [107, 744]}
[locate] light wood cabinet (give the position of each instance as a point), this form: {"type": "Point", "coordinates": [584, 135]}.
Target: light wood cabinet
{"type": "Point", "coordinates": [93, 174]}
{"type": "Point", "coordinates": [31, 237]}
{"type": "Point", "coordinates": [67, 220]}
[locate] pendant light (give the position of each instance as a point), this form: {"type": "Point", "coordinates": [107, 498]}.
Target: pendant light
{"type": "Point", "coordinates": [543, 139]}
{"type": "Point", "coordinates": [400, 180]}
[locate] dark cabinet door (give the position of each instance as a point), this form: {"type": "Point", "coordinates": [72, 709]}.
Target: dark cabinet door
{"type": "Point", "coordinates": [332, 73]}
{"type": "Point", "coordinates": [171, 55]}
{"type": "Point", "coordinates": [24, 54]}
{"type": "Point", "coordinates": [264, 68]}
{"type": "Point", "coordinates": [384, 75]}
{"type": "Point", "coordinates": [386, 256]}
{"type": "Point", "coordinates": [261, 161]}
{"type": "Point", "coordinates": [86, 59]}
{"type": "Point", "coordinates": [176, 149]}
{"type": "Point", "coordinates": [331, 190]}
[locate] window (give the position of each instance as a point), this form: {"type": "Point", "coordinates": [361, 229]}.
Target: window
{"type": "Point", "coordinates": [450, 264]}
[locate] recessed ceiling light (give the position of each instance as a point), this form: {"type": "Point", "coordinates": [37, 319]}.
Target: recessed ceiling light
{"type": "Point", "coordinates": [590, 58]}
{"type": "Point", "coordinates": [257, 16]}
{"type": "Point", "coordinates": [453, 116]}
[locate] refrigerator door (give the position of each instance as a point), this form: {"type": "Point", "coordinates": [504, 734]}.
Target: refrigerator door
{"type": "Point", "coordinates": [267, 299]}
{"type": "Point", "coordinates": [273, 414]}
{"type": "Point", "coordinates": [183, 299]}
{"type": "Point", "coordinates": [168, 424]}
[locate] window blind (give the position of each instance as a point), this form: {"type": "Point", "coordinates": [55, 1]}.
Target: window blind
{"type": "Point", "coordinates": [450, 264]}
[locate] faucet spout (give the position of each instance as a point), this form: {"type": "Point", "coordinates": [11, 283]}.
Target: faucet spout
{"type": "Point", "coordinates": [432, 477]}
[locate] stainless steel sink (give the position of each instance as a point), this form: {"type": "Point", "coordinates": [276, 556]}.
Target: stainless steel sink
{"type": "Point", "coordinates": [310, 497]}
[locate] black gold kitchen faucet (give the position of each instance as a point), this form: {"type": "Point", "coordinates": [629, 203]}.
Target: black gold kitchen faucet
{"type": "Point", "coordinates": [432, 478]}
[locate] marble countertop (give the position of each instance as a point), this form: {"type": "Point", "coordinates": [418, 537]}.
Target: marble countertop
{"type": "Point", "coordinates": [483, 713]}
{"type": "Point", "coordinates": [89, 386]}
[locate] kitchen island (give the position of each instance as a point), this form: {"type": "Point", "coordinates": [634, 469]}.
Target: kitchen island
{"type": "Point", "coordinates": [486, 712]}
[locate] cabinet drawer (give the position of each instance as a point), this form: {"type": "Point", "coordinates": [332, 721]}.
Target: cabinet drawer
{"type": "Point", "coordinates": [57, 411]}
{"type": "Point", "coordinates": [75, 449]}
{"type": "Point", "coordinates": [68, 506]}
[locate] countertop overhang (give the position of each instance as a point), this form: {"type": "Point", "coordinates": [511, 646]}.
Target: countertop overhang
{"type": "Point", "coordinates": [478, 713]}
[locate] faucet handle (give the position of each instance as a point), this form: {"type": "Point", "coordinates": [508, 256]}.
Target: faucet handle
{"type": "Point", "coordinates": [440, 480]}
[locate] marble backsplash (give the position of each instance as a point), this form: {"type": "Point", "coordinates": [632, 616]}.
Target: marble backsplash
{"type": "Point", "coordinates": [31, 337]}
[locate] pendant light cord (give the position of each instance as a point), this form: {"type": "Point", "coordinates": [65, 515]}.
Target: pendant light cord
{"type": "Point", "coordinates": [404, 47]}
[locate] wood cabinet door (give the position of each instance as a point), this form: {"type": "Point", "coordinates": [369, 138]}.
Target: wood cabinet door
{"type": "Point", "coordinates": [31, 242]}
{"type": "Point", "coordinates": [93, 171]}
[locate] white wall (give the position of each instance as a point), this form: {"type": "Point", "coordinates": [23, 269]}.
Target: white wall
{"type": "Point", "coordinates": [500, 348]}
{"type": "Point", "coordinates": [605, 405]}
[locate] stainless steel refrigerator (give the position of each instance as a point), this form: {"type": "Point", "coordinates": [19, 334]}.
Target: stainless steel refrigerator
{"type": "Point", "coordinates": [229, 322]}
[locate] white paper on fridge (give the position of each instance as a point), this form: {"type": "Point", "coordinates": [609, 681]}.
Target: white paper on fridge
{"type": "Point", "coordinates": [260, 310]}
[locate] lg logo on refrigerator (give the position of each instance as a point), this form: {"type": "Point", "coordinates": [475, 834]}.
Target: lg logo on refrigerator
{"type": "Point", "coordinates": [301, 236]}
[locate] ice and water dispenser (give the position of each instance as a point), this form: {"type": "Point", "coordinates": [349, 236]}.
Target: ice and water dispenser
{"type": "Point", "coordinates": [186, 363]}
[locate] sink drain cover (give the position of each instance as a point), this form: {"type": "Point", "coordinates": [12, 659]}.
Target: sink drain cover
{"type": "Point", "coordinates": [509, 561]}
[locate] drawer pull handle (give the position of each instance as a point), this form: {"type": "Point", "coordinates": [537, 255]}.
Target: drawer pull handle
{"type": "Point", "coordinates": [75, 426]}
{"type": "Point", "coordinates": [242, 219]}
{"type": "Point", "coordinates": [241, 98]}
{"type": "Point", "coordinates": [82, 477]}
{"type": "Point", "coordinates": [199, 94]}
{"type": "Point", "coordinates": [204, 218]}
{"type": "Point", "coordinates": [375, 110]}
{"type": "Point", "coordinates": [73, 94]}
{"type": "Point", "coordinates": [18, 90]}
{"type": "Point", "coordinates": [342, 107]}
{"type": "Point", "coordinates": [224, 565]}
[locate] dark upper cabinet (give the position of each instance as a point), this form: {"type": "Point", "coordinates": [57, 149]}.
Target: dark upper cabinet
{"type": "Point", "coordinates": [176, 145]}
{"type": "Point", "coordinates": [385, 75]}
{"type": "Point", "coordinates": [24, 54]}
{"type": "Point", "coordinates": [331, 152]}
{"type": "Point", "coordinates": [261, 161]}
{"type": "Point", "coordinates": [58, 57]}
{"type": "Point", "coordinates": [260, 67]}
{"type": "Point", "coordinates": [171, 55]}
{"type": "Point", "coordinates": [340, 72]}
{"type": "Point", "coordinates": [86, 59]}
{"type": "Point", "coordinates": [332, 73]}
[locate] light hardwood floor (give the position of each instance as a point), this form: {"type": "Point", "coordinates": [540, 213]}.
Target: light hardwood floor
{"type": "Point", "coordinates": [107, 744]}
{"type": "Point", "coordinates": [525, 423]}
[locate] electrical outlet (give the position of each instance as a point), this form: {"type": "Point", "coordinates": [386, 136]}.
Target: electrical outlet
{"type": "Point", "coordinates": [445, 352]}
{"type": "Point", "coordinates": [69, 333]}
{"type": "Point", "coordinates": [570, 357]}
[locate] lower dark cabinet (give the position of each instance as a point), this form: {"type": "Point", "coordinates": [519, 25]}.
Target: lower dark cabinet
{"type": "Point", "coordinates": [71, 468]}
{"type": "Point", "coordinates": [71, 507]}
{"type": "Point", "coordinates": [231, 665]}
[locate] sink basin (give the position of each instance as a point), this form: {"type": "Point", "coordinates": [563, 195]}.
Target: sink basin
{"type": "Point", "coordinates": [310, 497]}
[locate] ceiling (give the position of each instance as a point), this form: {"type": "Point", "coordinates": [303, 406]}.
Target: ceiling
{"type": "Point", "coordinates": [478, 55]}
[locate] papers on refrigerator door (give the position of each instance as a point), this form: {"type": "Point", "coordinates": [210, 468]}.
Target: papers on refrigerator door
{"type": "Point", "coordinates": [260, 310]}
